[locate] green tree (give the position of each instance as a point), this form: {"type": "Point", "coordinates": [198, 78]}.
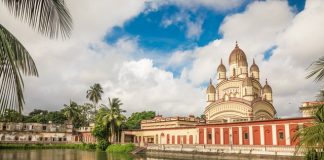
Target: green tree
{"type": "Point", "coordinates": [11, 116]}
{"type": "Point", "coordinates": [317, 69]}
{"type": "Point", "coordinates": [56, 117]}
{"type": "Point", "coordinates": [111, 118]}
{"type": "Point", "coordinates": [134, 121]}
{"type": "Point", "coordinates": [311, 138]}
{"type": "Point", "coordinates": [71, 111]}
{"type": "Point", "coordinates": [49, 17]}
{"type": "Point", "coordinates": [94, 93]}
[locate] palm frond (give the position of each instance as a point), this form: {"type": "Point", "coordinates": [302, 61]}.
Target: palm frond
{"type": "Point", "coordinates": [49, 17]}
{"type": "Point", "coordinates": [14, 61]}
{"type": "Point", "coordinates": [317, 70]}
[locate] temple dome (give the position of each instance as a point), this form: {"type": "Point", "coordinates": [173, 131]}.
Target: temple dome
{"type": "Point", "coordinates": [238, 57]}
{"type": "Point", "coordinates": [211, 88]}
{"type": "Point", "coordinates": [267, 88]}
{"type": "Point", "coordinates": [254, 67]}
{"type": "Point", "coordinates": [221, 67]}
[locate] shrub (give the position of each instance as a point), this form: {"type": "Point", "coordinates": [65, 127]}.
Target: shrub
{"type": "Point", "coordinates": [102, 144]}
{"type": "Point", "coordinates": [121, 148]}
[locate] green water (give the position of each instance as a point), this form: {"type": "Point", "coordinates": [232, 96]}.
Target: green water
{"type": "Point", "coordinates": [75, 154]}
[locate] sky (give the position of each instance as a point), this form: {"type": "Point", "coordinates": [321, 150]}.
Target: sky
{"type": "Point", "coordinates": [159, 55]}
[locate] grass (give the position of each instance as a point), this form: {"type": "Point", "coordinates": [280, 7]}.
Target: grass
{"type": "Point", "coordinates": [120, 148]}
{"type": "Point", "coordinates": [48, 146]}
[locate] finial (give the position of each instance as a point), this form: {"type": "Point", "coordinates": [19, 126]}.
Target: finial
{"type": "Point", "coordinates": [236, 45]}
{"type": "Point", "coordinates": [210, 81]}
{"type": "Point", "coordinates": [221, 60]}
{"type": "Point", "coordinates": [253, 61]}
{"type": "Point", "coordinates": [266, 81]}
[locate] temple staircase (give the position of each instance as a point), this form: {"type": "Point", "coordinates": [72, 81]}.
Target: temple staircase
{"type": "Point", "coordinates": [138, 150]}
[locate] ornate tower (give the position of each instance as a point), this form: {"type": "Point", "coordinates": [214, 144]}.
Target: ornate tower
{"type": "Point", "coordinates": [247, 89]}
{"type": "Point", "coordinates": [238, 63]}
{"type": "Point", "coordinates": [211, 91]}
{"type": "Point", "coordinates": [254, 70]}
{"type": "Point", "coordinates": [267, 92]}
{"type": "Point", "coordinates": [221, 72]}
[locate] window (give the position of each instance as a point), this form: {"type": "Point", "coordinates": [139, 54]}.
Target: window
{"type": "Point", "coordinates": [246, 135]}
{"type": "Point", "coordinates": [44, 128]}
{"type": "Point", "coordinates": [4, 127]}
{"type": "Point", "coordinates": [209, 136]}
{"type": "Point", "coordinates": [281, 135]}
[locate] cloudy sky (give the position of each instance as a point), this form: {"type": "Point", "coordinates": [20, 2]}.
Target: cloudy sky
{"type": "Point", "coordinates": [159, 55]}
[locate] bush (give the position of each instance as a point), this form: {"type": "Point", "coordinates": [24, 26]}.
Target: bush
{"type": "Point", "coordinates": [121, 148]}
{"type": "Point", "coordinates": [102, 144]}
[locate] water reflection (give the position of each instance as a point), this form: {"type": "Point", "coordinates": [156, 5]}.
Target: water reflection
{"type": "Point", "coordinates": [62, 154]}
{"type": "Point", "coordinates": [74, 154]}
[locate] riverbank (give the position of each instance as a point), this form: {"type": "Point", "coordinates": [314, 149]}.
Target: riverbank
{"type": "Point", "coordinates": [49, 146]}
{"type": "Point", "coordinates": [176, 155]}
{"type": "Point", "coordinates": [242, 150]}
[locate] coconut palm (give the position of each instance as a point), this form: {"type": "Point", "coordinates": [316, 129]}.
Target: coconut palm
{"type": "Point", "coordinates": [94, 94]}
{"type": "Point", "coordinates": [49, 17]}
{"type": "Point", "coordinates": [311, 138]}
{"type": "Point", "coordinates": [71, 111]}
{"type": "Point", "coordinates": [317, 70]}
{"type": "Point", "coordinates": [114, 117]}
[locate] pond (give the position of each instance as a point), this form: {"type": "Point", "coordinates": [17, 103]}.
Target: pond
{"type": "Point", "coordinates": [74, 154]}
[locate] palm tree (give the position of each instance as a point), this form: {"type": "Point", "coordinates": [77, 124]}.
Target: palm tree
{"type": "Point", "coordinates": [49, 17]}
{"type": "Point", "coordinates": [114, 117]}
{"type": "Point", "coordinates": [71, 111]}
{"type": "Point", "coordinates": [317, 69]}
{"type": "Point", "coordinates": [311, 138]}
{"type": "Point", "coordinates": [94, 94]}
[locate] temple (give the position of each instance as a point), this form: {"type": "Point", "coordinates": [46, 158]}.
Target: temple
{"type": "Point", "coordinates": [239, 96]}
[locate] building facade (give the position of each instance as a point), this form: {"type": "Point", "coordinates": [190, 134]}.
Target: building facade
{"type": "Point", "coordinates": [239, 118]}
{"type": "Point", "coordinates": [35, 132]}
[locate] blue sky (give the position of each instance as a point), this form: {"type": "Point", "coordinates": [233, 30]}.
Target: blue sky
{"type": "Point", "coordinates": [152, 34]}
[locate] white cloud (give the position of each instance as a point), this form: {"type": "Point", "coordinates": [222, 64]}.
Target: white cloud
{"type": "Point", "coordinates": [298, 40]}
{"type": "Point", "coordinates": [219, 6]}
{"type": "Point", "coordinates": [68, 68]}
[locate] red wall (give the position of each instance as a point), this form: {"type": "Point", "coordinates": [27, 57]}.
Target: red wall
{"type": "Point", "coordinates": [293, 128]}
{"type": "Point", "coordinates": [168, 139]}
{"type": "Point", "coordinates": [217, 136]}
{"type": "Point", "coordinates": [281, 128]}
{"type": "Point", "coordinates": [173, 140]}
{"type": "Point", "coordinates": [235, 131]}
{"type": "Point", "coordinates": [190, 139]}
{"type": "Point", "coordinates": [226, 135]}
{"type": "Point", "coordinates": [201, 136]}
{"type": "Point", "coordinates": [268, 135]}
{"type": "Point", "coordinates": [245, 130]}
{"type": "Point", "coordinates": [209, 140]}
{"type": "Point", "coordinates": [256, 135]}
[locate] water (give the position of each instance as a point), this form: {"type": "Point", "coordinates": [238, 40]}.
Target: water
{"type": "Point", "coordinates": [74, 154]}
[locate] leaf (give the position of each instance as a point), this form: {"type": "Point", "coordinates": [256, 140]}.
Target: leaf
{"type": "Point", "coordinates": [14, 61]}
{"type": "Point", "coordinates": [50, 17]}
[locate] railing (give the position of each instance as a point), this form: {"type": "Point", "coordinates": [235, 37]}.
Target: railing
{"type": "Point", "coordinates": [244, 149]}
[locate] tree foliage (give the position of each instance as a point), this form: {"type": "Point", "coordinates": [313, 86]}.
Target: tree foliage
{"type": "Point", "coordinates": [317, 70]}
{"type": "Point", "coordinates": [134, 121]}
{"type": "Point", "coordinates": [311, 138]}
{"type": "Point", "coordinates": [51, 18]}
